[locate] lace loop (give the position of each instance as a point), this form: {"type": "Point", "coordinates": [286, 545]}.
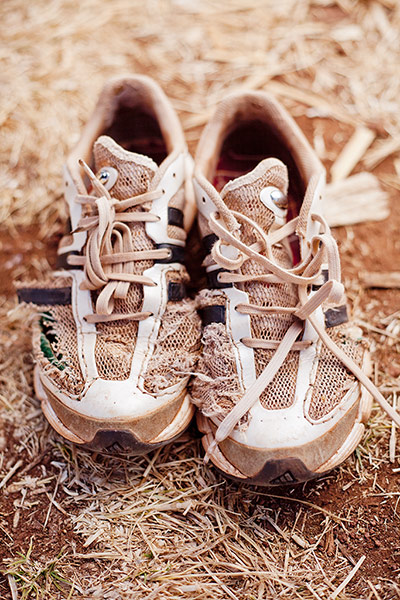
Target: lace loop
{"type": "Point", "coordinates": [224, 261]}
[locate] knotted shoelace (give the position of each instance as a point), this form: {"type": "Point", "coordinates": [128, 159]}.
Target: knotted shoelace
{"type": "Point", "coordinates": [109, 255]}
{"type": "Point", "coordinates": [323, 250]}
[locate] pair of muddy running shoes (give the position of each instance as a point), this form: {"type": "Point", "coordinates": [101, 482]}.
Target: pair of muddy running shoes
{"type": "Point", "coordinates": [265, 351]}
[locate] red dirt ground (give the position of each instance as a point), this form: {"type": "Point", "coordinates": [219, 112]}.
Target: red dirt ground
{"type": "Point", "coordinates": [370, 526]}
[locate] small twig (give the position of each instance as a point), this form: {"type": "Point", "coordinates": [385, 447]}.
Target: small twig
{"type": "Point", "coordinates": [390, 317]}
{"type": "Point", "coordinates": [373, 588]}
{"type": "Point", "coordinates": [299, 540]}
{"type": "Point", "coordinates": [357, 199]}
{"type": "Point", "coordinates": [377, 329]}
{"type": "Point", "coordinates": [13, 587]}
{"type": "Point", "coordinates": [35, 462]}
{"type": "Point", "coordinates": [385, 149]}
{"type": "Point", "coordinates": [215, 577]}
{"type": "Point", "coordinates": [389, 280]}
{"type": "Point", "coordinates": [392, 440]}
{"type": "Point", "coordinates": [52, 501]}
{"type": "Point", "coordinates": [314, 593]}
{"type": "Point", "coordinates": [276, 527]}
{"type": "Point", "coordinates": [11, 473]}
{"type": "Point", "coordinates": [349, 577]}
{"type": "Point", "coordinates": [352, 153]}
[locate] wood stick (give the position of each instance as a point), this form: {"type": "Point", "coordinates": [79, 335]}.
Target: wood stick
{"type": "Point", "coordinates": [357, 199]}
{"type": "Point", "coordinates": [349, 577]}
{"type": "Point", "coordinates": [352, 153]}
{"type": "Point", "coordinates": [377, 279]}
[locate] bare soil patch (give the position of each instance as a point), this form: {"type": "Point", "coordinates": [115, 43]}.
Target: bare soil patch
{"type": "Point", "coordinates": [78, 524]}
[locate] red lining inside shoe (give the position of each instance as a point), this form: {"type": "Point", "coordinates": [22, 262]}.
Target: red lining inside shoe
{"type": "Point", "coordinates": [138, 131]}
{"type": "Point", "coordinates": [244, 148]}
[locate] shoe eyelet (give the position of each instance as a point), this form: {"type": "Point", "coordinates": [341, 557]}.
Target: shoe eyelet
{"type": "Point", "coordinates": [108, 177]}
{"type": "Point", "coordinates": [278, 198]}
{"type": "Point", "coordinates": [276, 201]}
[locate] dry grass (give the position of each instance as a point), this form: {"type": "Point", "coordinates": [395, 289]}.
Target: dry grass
{"type": "Point", "coordinates": [164, 525]}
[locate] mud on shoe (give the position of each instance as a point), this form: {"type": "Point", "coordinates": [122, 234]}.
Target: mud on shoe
{"type": "Point", "coordinates": [281, 387]}
{"type": "Point", "coordinates": [116, 335]}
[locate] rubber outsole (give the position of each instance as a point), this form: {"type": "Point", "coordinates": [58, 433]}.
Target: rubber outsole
{"type": "Point", "coordinates": [105, 440]}
{"type": "Point", "coordinates": [288, 471]}
{"type": "Point", "coordinates": [117, 441]}
{"type": "Point", "coordinates": [291, 470]}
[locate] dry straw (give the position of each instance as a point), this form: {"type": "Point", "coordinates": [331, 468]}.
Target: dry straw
{"type": "Point", "coordinates": [163, 526]}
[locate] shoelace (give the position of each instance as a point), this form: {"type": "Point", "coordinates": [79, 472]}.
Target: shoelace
{"type": "Point", "coordinates": [109, 259]}
{"type": "Point", "coordinates": [323, 250]}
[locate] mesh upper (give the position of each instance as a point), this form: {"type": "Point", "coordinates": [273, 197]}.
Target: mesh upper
{"type": "Point", "coordinates": [56, 329]}
{"type": "Point", "coordinates": [216, 388]}
{"type": "Point", "coordinates": [177, 343]}
{"type": "Point", "coordinates": [176, 348]}
{"type": "Point", "coordinates": [115, 342]}
{"type": "Point", "coordinates": [245, 198]}
{"type": "Point", "coordinates": [332, 379]}
{"type": "Point", "coordinates": [60, 335]}
{"type": "Point", "coordinates": [135, 172]}
{"type": "Point", "coordinates": [280, 392]}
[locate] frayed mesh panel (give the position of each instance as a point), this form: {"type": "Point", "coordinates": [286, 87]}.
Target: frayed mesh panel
{"type": "Point", "coordinates": [64, 368]}
{"type": "Point", "coordinates": [210, 298]}
{"type": "Point", "coordinates": [55, 338]}
{"type": "Point", "coordinates": [216, 387]}
{"type": "Point", "coordinates": [177, 346]}
{"type": "Point", "coordinates": [333, 380]}
{"type": "Point", "coordinates": [180, 276]}
{"type": "Point", "coordinates": [115, 345]}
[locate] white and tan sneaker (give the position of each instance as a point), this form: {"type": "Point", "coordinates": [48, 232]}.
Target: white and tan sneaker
{"type": "Point", "coordinates": [116, 335]}
{"type": "Point", "coordinates": [282, 386]}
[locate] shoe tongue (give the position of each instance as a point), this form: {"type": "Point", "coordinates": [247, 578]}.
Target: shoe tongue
{"type": "Point", "coordinates": [244, 193]}
{"type": "Point", "coordinates": [135, 171]}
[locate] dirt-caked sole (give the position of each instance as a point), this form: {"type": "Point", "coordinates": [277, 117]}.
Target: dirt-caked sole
{"type": "Point", "coordinates": [121, 436]}
{"type": "Point", "coordinates": [291, 469]}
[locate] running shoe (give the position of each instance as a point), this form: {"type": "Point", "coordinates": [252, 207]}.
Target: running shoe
{"type": "Point", "coordinates": [116, 334]}
{"type": "Point", "coordinates": [281, 386]}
